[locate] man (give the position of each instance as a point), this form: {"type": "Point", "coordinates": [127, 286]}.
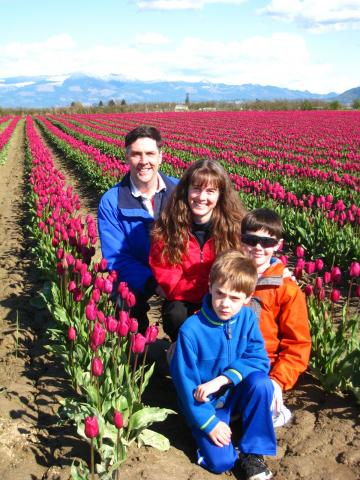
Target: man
{"type": "Point", "coordinates": [126, 213]}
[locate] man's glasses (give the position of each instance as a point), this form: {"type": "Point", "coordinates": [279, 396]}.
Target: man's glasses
{"type": "Point", "coordinates": [253, 240]}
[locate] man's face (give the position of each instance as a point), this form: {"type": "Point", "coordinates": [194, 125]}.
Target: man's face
{"type": "Point", "coordinates": [144, 159]}
{"type": "Point", "coordinates": [225, 302]}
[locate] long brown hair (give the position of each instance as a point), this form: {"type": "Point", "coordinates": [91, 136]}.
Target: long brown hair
{"type": "Point", "coordinates": [174, 224]}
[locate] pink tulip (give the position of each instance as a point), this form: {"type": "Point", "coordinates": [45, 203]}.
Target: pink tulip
{"type": "Point", "coordinates": [111, 324]}
{"type": "Point", "coordinates": [130, 300]}
{"type": "Point", "coordinates": [151, 333]}
{"type": "Point", "coordinates": [298, 273]}
{"type": "Point", "coordinates": [123, 324]}
{"type": "Point", "coordinates": [319, 264]}
{"type": "Point", "coordinates": [95, 295]}
{"type": "Point", "coordinates": [108, 286]}
{"type": "Point", "coordinates": [300, 263]}
{"type": "Point", "coordinates": [71, 286]}
{"type": "Point", "coordinates": [318, 283]}
{"type": "Point", "coordinates": [321, 294]}
{"type": "Point", "coordinates": [103, 265]}
{"type": "Point", "coordinates": [284, 259]}
{"type": "Point", "coordinates": [138, 343]}
{"type": "Point", "coordinates": [86, 279]}
{"type": "Point", "coordinates": [91, 311]}
{"type": "Point", "coordinates": [71, 335]}
{"type": "Point", "coordinates": [97, 336]}
{"type": "Point", "coordinates": [335, 274]}
{"type": "Point", "coordinates": [120, 289]}
{"type": "Point", "coordinates": [310, 267]}
{"type": "Point", "coordinates": [97, 367]}
{"type": "Point", "coordinates": [354, 270]}
{"type": "Point", "coordinates": [91, 427]}
{"type": "Point", "coordinates": [118, 420]}
{"type": "Point", "coordinates": [101, 316]}
{"type": "Point", "coordinates": [133, 325]}
{"type": "Point", "coordinates": [300, 252]}
{"type": "Point", "coordinates": [77, 295]}
{"type": "Point", "coordinates": [335, 295]}
{"type": "Point", "coordinates": [327, 277]}
{"type": "Point", "coordinates": [308, 290]}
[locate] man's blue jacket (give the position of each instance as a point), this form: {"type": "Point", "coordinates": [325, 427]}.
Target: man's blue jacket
{"type": "Point", "coordinates": [208, 347]}
{"type": "Point", "coordinates": [124, 229]}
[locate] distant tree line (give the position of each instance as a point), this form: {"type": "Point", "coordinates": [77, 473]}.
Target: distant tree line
{"type": "Point", "coordinates": [118, 106]}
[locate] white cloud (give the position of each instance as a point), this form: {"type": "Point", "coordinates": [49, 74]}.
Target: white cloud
{"type": "Point", "coordinates": [181, 4]}
{"type": "Point", "coordinates": [150, 38]}
{"type": "Point", "coordinates": [316, 15]}
{"type": "Point", "coordinates": [280, 59]}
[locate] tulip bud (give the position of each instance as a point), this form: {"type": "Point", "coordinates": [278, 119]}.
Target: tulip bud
{"type": "Point", "coordinates": [130, 300]}
{"type": "Point", "coordinates": [133, 325]}
{"type": "Point", "coordinates": [111, 324]}
{"type": "Point", "coordinates": [327, 277]}
{"type": "Point", "coordinates": [108, 286]}
{"type": "Point", "coordinates": [321, 294]}
{"type": "Point", "coordinates": [300, 252]}
{"type": "Point", "coordinates": [118, 420]}
{"type": "Point", "coordinates": [71, 335]}
{"type": "Point", "coordinates": [300, 263]}
{"type": "Point", "coordinates": [151, 333]}
{"type": "Point", "coordinates": [95, 295]}
{"type": "Point", "coordinates": [71, 286]}
{"type": "Point", "coordinates": [308, 290]}
{"type": "Point", "coordinates": [97, 337]}
{"type": "Point", "coordinates": [103, 265]}
{"type": "Point", "coordinates": [101, 316]}
{"type": "Point", "coordinates": [91, 427]}
{"type": "Point", "coordinates": [77, 295]}
{"type": "Point", "coordinates": [90, 311]}
{"type": "Point", "coordinates": [354, 270]}
{"type": "Point", "coordinates": [335, 274]}
{"type": "Point", "coordinates": [97, 368]}
{"type": "Point", "coordinates": [319, 264]}
{"type": "Point", "coordinates": [123, 324]}
{"type": "Point", "coordinates": [138, 343]}
{"type": "Point", "coordinates": [318, 283]}
{"type": "Point", "coordinates": [86, 279]}
{"type": "Point", "coordinates": [335, 295]}
{"type": "Point", "coordinates": [120, 289]}
{"type": "Point", "coordinates": [298, 273]}
{"type": "Point", "coordinates": [310, 267]}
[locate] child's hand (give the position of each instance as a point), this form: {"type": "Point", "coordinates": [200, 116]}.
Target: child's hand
{"type": "Point", "coordinates": [278, 401]}
{"type": "Point", "coordinates": [221, 434]}
{"type": "Point", "coordinates": [205, 389]}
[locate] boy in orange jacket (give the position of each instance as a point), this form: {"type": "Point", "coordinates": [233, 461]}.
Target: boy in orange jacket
{"type": "Point", "coordinates": [280, 305]}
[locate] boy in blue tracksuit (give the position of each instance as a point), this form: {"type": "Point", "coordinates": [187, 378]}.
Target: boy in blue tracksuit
{"type": "Point", "coordinates": [220, 369]}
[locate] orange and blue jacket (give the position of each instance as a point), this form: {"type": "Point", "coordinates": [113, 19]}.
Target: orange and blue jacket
{"type": "Point", "coordinates": [281, 308]}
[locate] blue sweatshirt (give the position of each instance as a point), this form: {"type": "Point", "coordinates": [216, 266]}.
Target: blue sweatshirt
{"type": "Point", "coordinates": [208, 347]}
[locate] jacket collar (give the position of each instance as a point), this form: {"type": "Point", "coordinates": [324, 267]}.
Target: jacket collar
{"type": "Point", "coordinates": [273, 276]}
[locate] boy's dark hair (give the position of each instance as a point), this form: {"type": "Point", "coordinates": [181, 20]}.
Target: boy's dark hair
{"type": "Point", "coordinates": [237, 272]}
{"type": "Point", "coordinates": [143, 131]}
{"type": "Point", "coordinates": [263, 218]}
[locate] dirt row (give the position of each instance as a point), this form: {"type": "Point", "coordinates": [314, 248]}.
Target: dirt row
{"type": "Point", "coordinates": [322, 442]}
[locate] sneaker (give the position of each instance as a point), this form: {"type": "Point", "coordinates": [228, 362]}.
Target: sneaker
{"type": "Point", "coordinates": [254, 467]}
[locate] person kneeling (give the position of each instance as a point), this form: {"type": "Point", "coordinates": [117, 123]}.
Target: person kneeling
{"type": "Point", "coordinates": [220, 369]}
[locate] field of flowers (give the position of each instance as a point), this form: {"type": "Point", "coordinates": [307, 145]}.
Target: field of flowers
{"type": "Point", "coordinates": [303, 164]}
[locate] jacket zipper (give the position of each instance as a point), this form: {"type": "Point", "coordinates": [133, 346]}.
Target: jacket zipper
{"type": "Point", "coordinates": [228, 337]}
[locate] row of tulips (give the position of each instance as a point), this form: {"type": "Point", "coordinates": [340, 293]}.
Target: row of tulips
{"type": "Point", "coordinates": [303, 224]}
{"type": "Point", "coordinates": [94, 335]}
{"type": "Point", "coordinates": [5, 137]}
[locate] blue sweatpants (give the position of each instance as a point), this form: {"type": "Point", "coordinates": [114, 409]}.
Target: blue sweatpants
{"type": "Point", "coordinates": [251, 400]}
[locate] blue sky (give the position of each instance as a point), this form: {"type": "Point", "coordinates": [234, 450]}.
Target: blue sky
{"type": "Point", "coordinates": [298, 44]}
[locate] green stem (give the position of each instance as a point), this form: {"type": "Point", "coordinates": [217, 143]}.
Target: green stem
{"type": "Point", "coordinates": [134, 371]}
{"type": "Point", "coordinates": [92, 459]}
{"type": "Point", "coordinates": [143, 371]}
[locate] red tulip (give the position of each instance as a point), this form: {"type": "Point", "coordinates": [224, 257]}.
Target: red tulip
{"type": "Point", "coordinates": [138, 343]}
{"type": "Point", "coordinates": [308, 290]}
{"type": "Point", "coordinates": [327, 277]}
{"type": "Point", "coordinates": [335, 295]}
{"type": "Point", "coordinates": [284, 259]}
{"type": "Point", "coordinates": [354, 270]}
{"type": "Point", "coordinates": [300, 252]}
{"type": "Point", "coordinates": [118, 420]}
{"type": "Point", "coordinates": [151, 333]}
{"type": "Point", "coordinates": [71, 335]}
{"type": "Point", "coordinates": [133, 325]}
{"type": "Point", "coordinates": [97, 336]}
{"type": "Point", "coordinates": [319, 264]}
{"type": "Point", "coordinates": [97, 367]}
{"type": "Point", "coordinates": [130, 300]}
{"type": "Point", "coordinates": [77, 294]}
{"type": "Point", "coordinates": [91, 427]}
{"type": "Point", "coordinates": [111, 324]}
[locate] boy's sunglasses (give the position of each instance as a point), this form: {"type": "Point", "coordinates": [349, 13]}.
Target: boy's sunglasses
{"type": "Point", "coordinates": [253, 240]}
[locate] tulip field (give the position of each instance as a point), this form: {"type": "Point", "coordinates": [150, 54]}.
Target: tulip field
{"type": "Point", "coordinates": [305, 165]}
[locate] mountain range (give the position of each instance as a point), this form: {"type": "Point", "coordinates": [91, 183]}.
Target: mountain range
{"type": "Point", "coordinates": [62, 90]}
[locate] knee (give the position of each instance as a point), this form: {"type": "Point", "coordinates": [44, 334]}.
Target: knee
{"type": "Point", "coordinates": [259, 382]}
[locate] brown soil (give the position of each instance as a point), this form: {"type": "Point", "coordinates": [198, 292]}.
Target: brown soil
{"type": "Point", "coordinates": [321, 443]}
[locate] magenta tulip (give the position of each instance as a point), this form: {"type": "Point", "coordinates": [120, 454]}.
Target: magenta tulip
{"type": "Point", "coordinates": [91, 427]}
{"type": "Point", "coordinates": [284, 259]}
{"type": "Point", "coordinates": [103, 265]}
{"type": "Point", "coordinates": [300, 252]}
{"type": "Point", "coordinates": [108, 286]}
{"type": "Point", "coordinates": [308, 290]}
{"type": "Point", "coordinates": [354, 270]}
{"type": "Point", "coordinates": [133, 325]}
{"type": "Point", "coordinates": [71, 335]}
{"type": "Point", "coordinates": [86, 279]}
{"type": "Point", "coordinates": [111, 324]}
{"type": "Point", "coordinates": [335, 274]}
{"type": "Point", "coordinates": [118, 420]}
{"type": "Point", "coordinates": [97, 367]}
{"type": "Point", "coordinates": [319, 264]}
{"type": "Point", "coordinates": [310, 267]}
{"type": "Point", "coordinates": [151, 333]}
{"type": "Point", "coordinates": [97, 336]}
{"type": "Point", "coordinates": [318, 283]}
{"type": "Point", "coordinates": [91, 311]}
{"type": "Point", "coordinates": [335, 295]}
{"type": "Point", "coordinates": [327, 277]}
{"type": "Point", "coordinates": [130, 300]}
{"type": "Point", "coordinates": [321, 294]}
{"type": "Point", "coordinates": [138, 343]}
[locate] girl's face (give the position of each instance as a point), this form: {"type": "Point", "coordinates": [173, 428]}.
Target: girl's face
{"type": "Point", "coordinates": [202, 201]}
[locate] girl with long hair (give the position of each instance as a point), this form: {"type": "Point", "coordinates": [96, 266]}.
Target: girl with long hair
{"type": "Point", "coordinates": [201, 219]}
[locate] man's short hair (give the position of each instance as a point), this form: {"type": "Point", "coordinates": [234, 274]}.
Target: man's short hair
{"type": "Point", "coordinates": [233, 269]}
{"type": "Point", "coordinates": [263, 218]}
{"type": "Point", "coordinates": [143, 131]}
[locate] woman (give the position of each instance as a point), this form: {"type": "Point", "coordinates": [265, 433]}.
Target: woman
{"type": "Point", "coordinates": [201, 219]}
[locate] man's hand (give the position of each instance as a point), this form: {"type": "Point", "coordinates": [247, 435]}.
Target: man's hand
{"type": "Point", "coordinates": [278, 401]}
{"type": "Point", "coordinates": [221, 434]}
{"type": "Point", "coordinates": [205, 389]}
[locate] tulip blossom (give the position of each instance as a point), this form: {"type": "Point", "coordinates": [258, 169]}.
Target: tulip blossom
{"type": "Point", "coordinates": [300, 252]}
{"type": "Point", "coordinates": [310, 267]}
{"type": "Point", "coordinates": [308, 290]}
{"type": "Point", "coordinates": [71, 286]}
{"type": "Point", "coordinates": [318, 283]}
{"type": "Point", "coordinates": [130, 300]}
{"type": "Point", "coordinates": [327, 277]}
{"type": "Point", "coordinates": [354, 270]}
{"type": "Point", "coordinates": [97, 337]}
{"type": "Point", "coordinates": [86, 279]}
{"type": "Point", "coordinates": [97, 367]}
{"type": "Point", "coordinates": [335, 274]}
{"type": "Point", "coordinates": [103, 265]}
{"type": "Point", "coordinates": [77, 294]}
{"type": "Point", "coordinates": [123, 324]}
{"type": "Point", "coordinates": [91, 427]}
{"type": "Point", "coordinates": [111, 324]}
{"type": "Point", "coordinates": [321, 294]}
{"type": "Point", "coordinates": [319, 264]}
{"type": "Point", "coordinates": [138, 343]}
{"type": "Point", "coordinates": [91, 311]}
{"type": "Point", "coordinates": [151, 333]}
{"type": "Point", "coordinates": [71, 334]}
{"type": "Point", "coordinates": [284, 260]}
{"type": "Point", "coordinates": [298, 273]}
{"type": "Point", "coordinates": [335, 295]}
{"type": "Point", "coordinates": [133, 325]}
{"type": "Point", "coordinates": [118, 420]}
{"type": "Point", "coordinates": [108, 286]}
